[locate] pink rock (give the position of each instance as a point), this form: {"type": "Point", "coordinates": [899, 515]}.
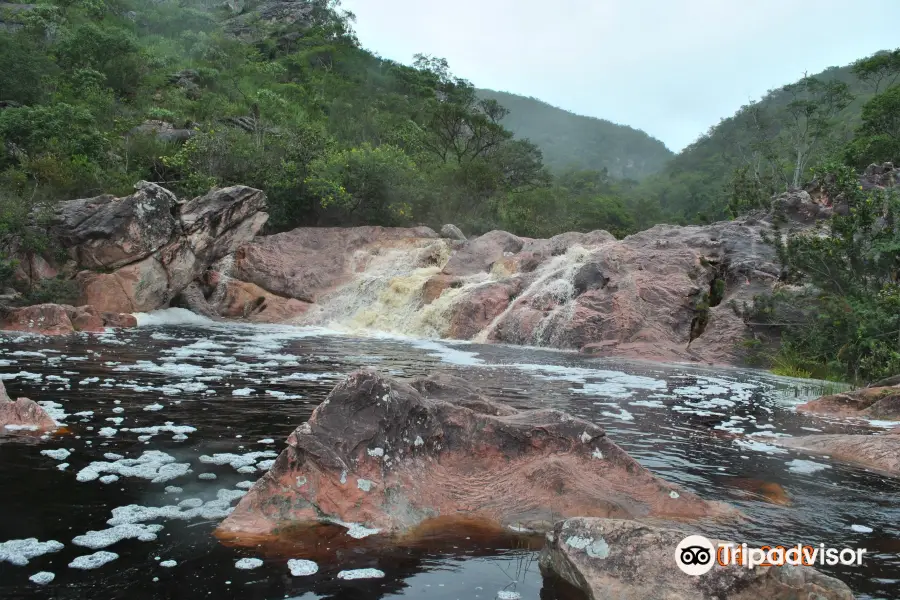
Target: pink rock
{"type": "Point", "coordinates": [23, 413]}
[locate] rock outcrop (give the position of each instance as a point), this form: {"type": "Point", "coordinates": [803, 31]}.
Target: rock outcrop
{"type": "Point", "coordinates": [137, 253]}
{"type": "Point", "coordinates": [627, 560]}
{"type": "Point", "coordinates": [22, 414]}
{"type": "Point", "coordinates": [382, 455]}
{"type": "Point", "coordinates": [61, 319]}
{"type": "Point", "coordinates": [646, 296]}
{"type": "Point", "coordinates": [872, 403]}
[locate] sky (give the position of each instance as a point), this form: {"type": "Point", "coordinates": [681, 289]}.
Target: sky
{"type": "Point", "coordinates": [673, 68]}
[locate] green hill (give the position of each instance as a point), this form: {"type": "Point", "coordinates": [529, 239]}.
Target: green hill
{"type": "Point", "coordinates": [573, 141]}
{"type": "Point", "coordinates": [757, 147]}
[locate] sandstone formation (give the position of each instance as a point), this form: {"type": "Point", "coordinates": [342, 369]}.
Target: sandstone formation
{"type": "Point", "coordinates": [138, 253]}
{"type": "Point", "coordinates": [22, 414]}
{"type": "Point", "coordinates": [645, 296]}
{"type": "Point", "coordinates": [878, 452]}
{"type": "Point", "coordinates": [61, 319]}
{"type": "Point", "coordinates": [627, 560]}
{"type": "Point", "coordinates": [388, 456]}
{"type": "Point", "coordinates": [882, 402]}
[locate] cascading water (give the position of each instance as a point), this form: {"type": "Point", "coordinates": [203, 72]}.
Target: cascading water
{"type": "Point", "coordinates": [224, 268]}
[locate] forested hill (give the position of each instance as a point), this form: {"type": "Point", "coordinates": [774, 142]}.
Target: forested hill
{"type": "Point", "coordinates": [749, 156]}
{"type": "Point", "coordinates": [571, 141]}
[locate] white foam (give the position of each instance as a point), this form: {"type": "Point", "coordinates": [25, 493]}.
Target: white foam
{"type": "Point", "coordinates": [154, 407]}
{"type": "Point", "coordinates": [805, 466]}
{"type": "Point", "coordinates": [759, 446]}
{"type": "Point", "coordinates": [508, 595]}
{"type": "Point", "coordinates": [861, 528]}
{"type": "Point", "coordinates": [42, 578]}
{"type": "Point", "coordinates": [248, 563]}
{"type": "Point", "coordinates": [244, 485]}
{"type": "Point", "coordinates": [168, 564]}
{"type": "Point", "coordinates": [242, 392]}
{"type": "Point", "coordinates": [93, 561]}
{"type": "Point", "coordinates": [361, 574]}
{"type": "Point", "coordinates": [107, 537]}
{"type": "Point", "coordinates": [238, 461]}
{"type": "Point", "coordinates": [206, 476]}
{"type": "Point", "coordinates": [154, 465]}
{"type": "Point", "coordinates": [108, 431]}
{"type": "Point", "coordinates": [19, 552]}
{"type": "Point", "coordinates": [54, 409]}
{"type": "Point", "coordinates": [266, 441]}
{"type": "Point", "coordinates": [61, 454]}
{"type": "Point", "coordinates": [170, 316]}
{"type": "Point", "coordinates": [301, 568]}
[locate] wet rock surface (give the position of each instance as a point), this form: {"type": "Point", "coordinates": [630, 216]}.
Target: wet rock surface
{"type": "Point", "coordinates": [879, 452]}
{"type": "Point", "coordinates": [382, 456]}
{"type": "Point", "coordinates": [61, 319]}
{"type": "Point", "coordinates": [22, 413]}
{"type": "Point", "coordinates": [881, 402]}
{"type": "Point", "coordinates": [627, 560]}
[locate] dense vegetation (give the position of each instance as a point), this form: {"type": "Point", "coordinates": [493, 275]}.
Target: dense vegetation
{"type": "Point", "coordinates": [571, 141]}
{"type": "Point", "coordinates": [98, 94]}
{"type": "Point", "coordinates": [769, 145]}
{"type": "Point", "coordinates": [840, 314]}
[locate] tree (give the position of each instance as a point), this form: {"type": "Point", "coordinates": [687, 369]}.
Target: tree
{"type": "Point", "coordinates": [882, 68]}
{"type": "Point", "coordinates": [810, 118]}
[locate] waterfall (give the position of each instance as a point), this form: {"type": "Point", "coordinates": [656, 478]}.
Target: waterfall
{"type": "Point", "coordinates": [224, 267]}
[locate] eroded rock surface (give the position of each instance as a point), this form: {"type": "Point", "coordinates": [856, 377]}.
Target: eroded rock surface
{"type": "Point", "coordinates": [628, 560]}
{"type": "Point", "coordinates": [22, 413]}
{"type": "Point", "coordinates": [383, 455]}
{"type": "Point", "coordinates": [137, 253]}
{"type": "Point", "coordinates": [61, 319]}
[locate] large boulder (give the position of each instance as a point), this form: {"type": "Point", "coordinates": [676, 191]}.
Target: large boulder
{"type": "Point", "coordinates": [22, 414]}
{"type": "Point", "coordinates": [879, 452]}
{"type": "Point", "coordinates": [383, 455]}
{"type": "Point", "coordinates": [138, 253]}
{"type": "Point", "coordinates": [108, 233]}
{"type": "Point", "coordinates": [628, 560]}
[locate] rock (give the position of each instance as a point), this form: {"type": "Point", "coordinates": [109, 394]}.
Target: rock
{"type": "Point", "coordinates": [241, 300]}
{"type": "Point", "coordinates": [165, 131]}
{"type": "Point", "coordinates": [435, 286]}
{"type": "Point", "coordinates": [193, 299]}
{"type": "Point", "coordinates": [23, 413]}
{"type": "Point", "coordinates": [378, 454]}
{"type": "Point", "coordinates": [453, 232]}
{"type": "Point", "coordinates": [627, 560]}
{"type": "Point", "coordinates": [475, 311]}
{"type": "Point", "coordinates": [872, 402]}
{"type": "Point", "coordinates": [138, 287]}
{"type": "Point", "coordinates": [109, 233]}
{"type": "Point", "coordinates": [310, 261]}
{"type": "Point", "coordinates": [888, 382]}
{"type": "Point", "coordinates": [589, 277]}
{"type": "Point", "coordinates": [879, 452]}
{"type": "Point", "coordinates": [252, 25]}
{"type": "Point", "coordinates": [60, 319]}
{"type": "Point", "coordinates": [478, 255]}
{"type": "Point", "coordinates": [799, 206]}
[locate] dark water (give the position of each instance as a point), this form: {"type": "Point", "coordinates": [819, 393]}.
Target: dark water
{"type": "Point", "coordinates": [704, 429]}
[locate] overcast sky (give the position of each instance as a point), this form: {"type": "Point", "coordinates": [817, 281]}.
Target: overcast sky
{"type": "Point", "coordinates": [670, 67]}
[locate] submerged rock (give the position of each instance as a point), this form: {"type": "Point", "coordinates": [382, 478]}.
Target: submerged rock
{"type": "Point", "coordinates": [627, 560]}
{"type": "Point", "coordinates": [380, 456]}
{"type": "Point", "coordinates": [22, 414]}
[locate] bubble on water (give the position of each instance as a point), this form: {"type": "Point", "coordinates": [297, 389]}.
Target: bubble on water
{"type": "Point", "coordinates": [168, 564]}
{"type": "Point", "coordinates": [42, 578]}
{"type": "Point", "coordinates": [93, 561]}
{"type": "Point", "coordinates": [107, 537]}
{"type": "Point", "coordinates": [60, 454]}
{"type": "Point", "coordinates": [19, 552]}
{"type": "Point", "coordinates": [805, 466]}
{"type": "Point", "coordinates": [361, 574]}
{"type": "Point", "coordinates": [302, 568]}
{"type": "Point", "coordinates": [248, 563]}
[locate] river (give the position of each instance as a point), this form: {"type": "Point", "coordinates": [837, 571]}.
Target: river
{"type": "Point", "coordinates": [178, 389]}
